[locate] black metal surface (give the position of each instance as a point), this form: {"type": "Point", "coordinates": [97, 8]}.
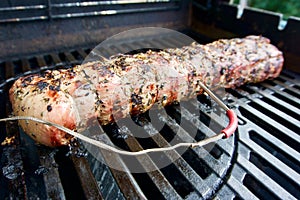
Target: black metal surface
{"type": "Point", "coordinates": [52, 9]}
{"type": "Point", "coordinates": [40, 27]}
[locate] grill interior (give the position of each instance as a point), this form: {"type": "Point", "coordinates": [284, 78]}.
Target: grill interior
{"type": "Point", "coordinates": [260, 161]}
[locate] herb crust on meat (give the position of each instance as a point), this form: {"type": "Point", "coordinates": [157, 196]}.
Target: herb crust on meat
{"type": "Point", "coordinates": [126, 85]}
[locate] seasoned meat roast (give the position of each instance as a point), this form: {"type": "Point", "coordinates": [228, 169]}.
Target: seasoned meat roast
{"type": "Point", "coordinates": [126, 85]}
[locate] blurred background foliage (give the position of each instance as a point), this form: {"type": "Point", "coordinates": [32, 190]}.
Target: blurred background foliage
{"type": "Point", "coordinates": [286, 7]}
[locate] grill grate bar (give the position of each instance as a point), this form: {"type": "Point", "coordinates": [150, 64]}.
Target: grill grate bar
{"type": "Point", "coordinates": [276, 162]}
{"type": "Point", "coordinates": [14, 185]}
{"type": "Point", "coordinates": [86, 177]}
{"type": "Point", "coordinates": [70, 58]}
{"type": "Point", "coordinates": [286, 79]}
{"type": "Point", "coordinates": [268, 120]}
{"type": "Point", "coordinates": [105, 180]}
{"type": "Point", "coordinates": [9, 70]}
{"type": "Point", "coordinates": [284, 147]}
{"type": "Point", "coordinates": [129, 46]}
{"type": "Point", "coordinates": [57, 61]}
{"type": "Point", "coordinates": [290, 76]}
{"type": "Point", "coordinates": [117, 49]}
{"type": "Point", "coordinates": [30, 162]}
{"type": "Point", "coordinates": [173, 41]}
{"type": "Point", "coordinates": [225, 145]}
{"type": "Point", "coordinates": [82, 53]}
{"type": "Point", "coordinates": [218, 166]}
{"type": "Point", "coordinates": [290, 120]}
{"type": "Point", "coordinates": [125, 180]}
{"type": "Point", "coordinates": [165, 43]}
{"type": "Point", "coordinates": [156, 176]}
{"type": "Point", "coordinates": [226, 193]}
{"type": "Point", "coordinates": [41, 62]}
{"type": "Point", "coordinates": [109, 51]}
{"type": "Point", "coordinates": [13, 167]}
{"type": "Point", "coordinates": [165, 186]}
{"type": "Point", "coordinates": [283, 93]}
{"type": "Point", "coordinates": [25, 65]}
{"type": "Point", "coordinates": [270, 129]}
{"type": "Point", "coordinates": [267, 181]}
{"type": "Point", "coordinates": [288, 87]}
{"type": "Point", "coordinates": [281, 169]}
{"type": "Point", "coordinates": [237, 186]}
{"type": "Point", "coordinates": [276, 151]}
{"type": "Point", "coordinates": [48, 168]}
{"type": "Point", "coordinates": [194, 179]}
{"type": "Point", "coordinates": [183, 135]}
{"type": "Point", "coordinates": [277, 101]}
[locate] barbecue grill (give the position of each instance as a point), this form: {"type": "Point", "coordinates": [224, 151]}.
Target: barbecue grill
{"type": "Point", "coordinates": [260, 161]}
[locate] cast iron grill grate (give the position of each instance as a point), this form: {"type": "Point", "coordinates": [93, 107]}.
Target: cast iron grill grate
{"type": "Point", "coordinates": [261, 160]}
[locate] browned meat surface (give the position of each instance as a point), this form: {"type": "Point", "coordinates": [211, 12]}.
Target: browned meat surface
{"type": "Point", "coordinates": [131, 84]}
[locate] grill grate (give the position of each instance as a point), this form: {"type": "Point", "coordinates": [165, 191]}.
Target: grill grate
{"type": "Point", "coordinates": [260, 161]}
